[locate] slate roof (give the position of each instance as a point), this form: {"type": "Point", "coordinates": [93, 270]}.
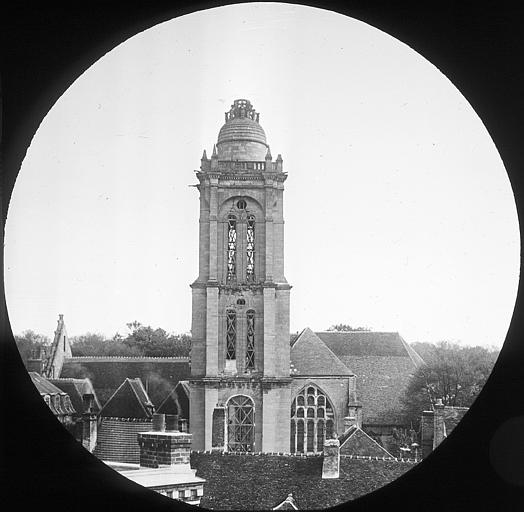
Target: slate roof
{"type": "Point", "coordinates": [311, 356]}
{"type": "Point", "coordinates": [61, 407]}
{"type": "Point", "coordinates": [354, 441]}
{"type": "Point", "coordinates": [107, 373]}
{"type": "Point", "coordinates": [130, 400]}
{"type": "Point", "coordinates": [264, 479]}
{"type": "Point", "coordinates": [383, 364]}
{"type": "Point", "coordinates": [44, 386]}
{"type": "Point", "coordinates": [76, 389]}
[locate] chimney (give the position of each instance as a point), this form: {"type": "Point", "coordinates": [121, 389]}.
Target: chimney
{"type": "Point", "coordinates": [164, 449]}
{"type": "Point", "coordinates": [331, 463]}
{"type": "Point", "coordinates": [89, 423]}
{"type": "Point", "coordinates": [439, 427]}
{"type": "Point", "coordinates": [171, 422]}
{"type": "Point", "coordinates": [88, 400]}
{"type": "Point", "coordinates": [159, 422]}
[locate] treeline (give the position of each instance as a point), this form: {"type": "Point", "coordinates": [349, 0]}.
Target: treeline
{"type": "Point", "coordinates": [140, 341]}
{"type": "Point", "coordinates": [452, 372]}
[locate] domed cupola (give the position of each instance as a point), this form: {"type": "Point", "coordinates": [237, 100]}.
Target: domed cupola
{"type": "Point", "coordinates": [242, 138]}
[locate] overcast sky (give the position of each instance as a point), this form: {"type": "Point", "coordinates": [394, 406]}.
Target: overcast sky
{"type": "Point", "coordinates": [399, 212]}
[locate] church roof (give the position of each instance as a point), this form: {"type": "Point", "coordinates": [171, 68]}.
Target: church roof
{"type": "Point", "coordinates": [130, 400]}
{"type": "Point", "coordinates": [310, 356]}
{"type": "Point", "coordinates": [383, 363]}
{"type": "Point", "coordinates": [369, 343]}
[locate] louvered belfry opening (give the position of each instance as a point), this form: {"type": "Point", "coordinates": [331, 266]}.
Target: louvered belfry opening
{"type": "Point", "coordinates": [240, 424]}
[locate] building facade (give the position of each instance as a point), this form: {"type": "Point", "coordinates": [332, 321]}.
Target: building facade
{"type": "Point", "coordinates": [240, 374]}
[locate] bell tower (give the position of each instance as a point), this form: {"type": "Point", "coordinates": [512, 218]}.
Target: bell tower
{"type": "Point", "coordinates": [240, 398]}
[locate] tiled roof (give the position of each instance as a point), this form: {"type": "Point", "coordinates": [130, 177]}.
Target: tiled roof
{"type": "Point", "coordinates": [76, 389]}
{"type": "Point", "coordinates": [264, 479]}
{"type": "Point", "coordinates": [368, 343]}
{"type": "Point", "coordinates": [130, 400]}
{"type": "Point", "coordinates": [383, 363]}
{"type": "Point", "coordinates": [107, 374]}
{"type": "Point", "coordinates": [43, 386]}
{"type": "Point", "coordinates": [310, 356]}
{"type": "Point", "coordinates": [354, 441]}
{"type": "Point", "coordinates": [58, 401]}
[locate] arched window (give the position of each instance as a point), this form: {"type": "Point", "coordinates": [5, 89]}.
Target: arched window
{"type": "Point", "coordinates": [231, 334]}
{"type": "Point", "coordinates": [231, 247]}
{"type": "Point", "coordinates": [240, 424]}
{"type": "Point", "coordinates": [312, 421]}
{"type": "Point", "coordinates": [250, 341]}
{"type": "Point", "coordinates": [250, 248]}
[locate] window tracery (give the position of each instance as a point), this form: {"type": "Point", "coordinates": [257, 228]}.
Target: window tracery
{"type": "Point", "coordinates": [312, 421]}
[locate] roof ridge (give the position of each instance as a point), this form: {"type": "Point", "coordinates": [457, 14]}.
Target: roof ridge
{"type": "Point", "coordinates": [413, 354]}
{"type": "Point", "coordinates": [325, 345]}
{"type": "Point", "coordinates": [136, 394]}
{"type": "Point", "coordinates": [114, 394]}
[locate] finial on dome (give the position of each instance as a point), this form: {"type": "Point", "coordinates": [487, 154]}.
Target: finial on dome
{"type": "Point", "coordinates": [242, 109]}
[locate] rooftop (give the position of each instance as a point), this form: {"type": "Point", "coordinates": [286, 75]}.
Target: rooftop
{"type": "Point", "coordinates": [265, 479]}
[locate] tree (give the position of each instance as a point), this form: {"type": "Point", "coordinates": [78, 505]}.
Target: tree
{"type": "Point", "coordinates": [453, 373]}
{"type": "Point", "coordinates": [29, 343]}
{"type": "Point", "coordinates": [347, 328]}
{"type": "Point", "coordinates": [93, 344]}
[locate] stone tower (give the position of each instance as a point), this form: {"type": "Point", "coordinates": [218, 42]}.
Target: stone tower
{"type": "Point", "coordinates": [240, 377]}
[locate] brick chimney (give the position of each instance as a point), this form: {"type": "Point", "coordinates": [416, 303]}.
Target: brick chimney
{"type": "Point", "coordinates": [439, 427]}
{"type": "Point", "coordinates": [168, 449]}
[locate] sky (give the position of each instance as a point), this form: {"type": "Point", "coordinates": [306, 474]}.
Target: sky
{"type": "Point", "coordinates": [399, 212]}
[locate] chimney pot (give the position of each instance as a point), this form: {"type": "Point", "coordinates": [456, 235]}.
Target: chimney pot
{"type": "Point", "coordinates": [159, 422]}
